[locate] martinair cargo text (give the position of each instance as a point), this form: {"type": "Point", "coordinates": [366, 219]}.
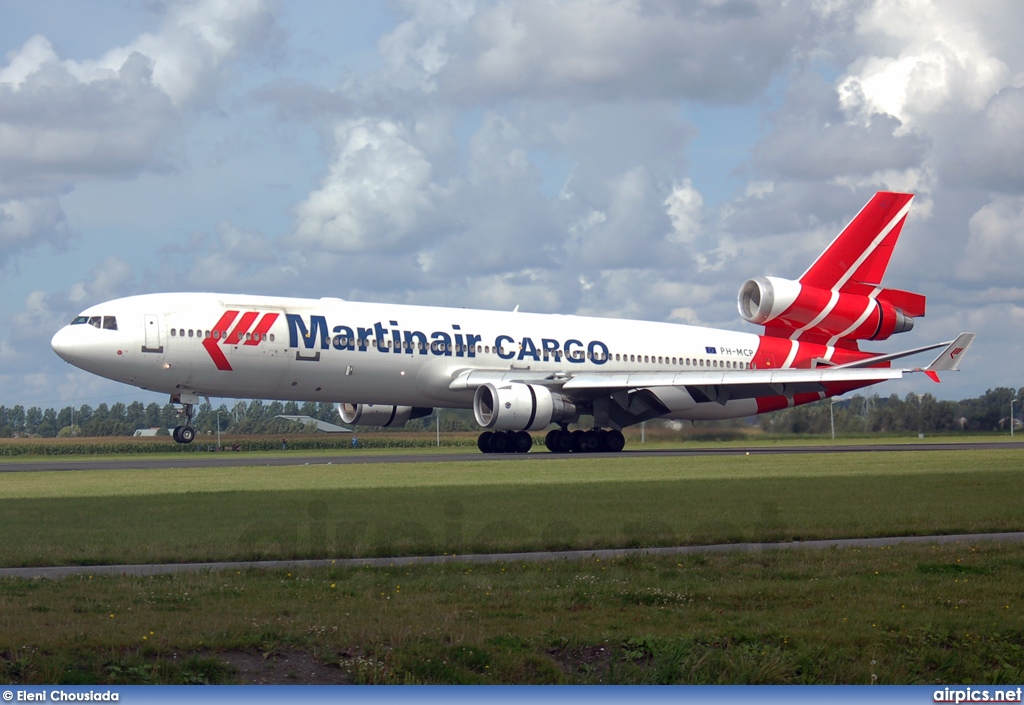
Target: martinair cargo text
{"type": "Point", "coordinates": [384, 364]}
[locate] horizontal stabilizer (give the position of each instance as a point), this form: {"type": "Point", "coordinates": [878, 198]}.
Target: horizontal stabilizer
{"type": "Point", "coordinates": [889, 357]}
{"type": "Point", "coordinates": [952, 355]}
{"type": "Point", "coordinates": [908, 302]}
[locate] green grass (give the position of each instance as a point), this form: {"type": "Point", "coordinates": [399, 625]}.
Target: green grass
{"type": "Point", "coordinates": [908, 614]}
{"type": "Point", "coordinates": [423, 443]}
{"type": "Point", "coordinates": [503, 505]}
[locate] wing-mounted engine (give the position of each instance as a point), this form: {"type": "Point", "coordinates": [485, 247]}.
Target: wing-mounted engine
{"type": "Point", "coordinates": [380, 414]}
{"type": "Point", "coordinates": [515, 406]}
{"type": "Point", "coordinates": [786, 307]}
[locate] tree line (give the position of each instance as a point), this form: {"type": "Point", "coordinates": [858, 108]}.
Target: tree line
{"type": "Point", "coordinates": [915, 413]}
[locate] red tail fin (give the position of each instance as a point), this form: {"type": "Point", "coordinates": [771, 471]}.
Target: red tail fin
{"type": "Point", "coordinates": [839, 299]}
{"type": "Point", "coordinates": [855, 262]}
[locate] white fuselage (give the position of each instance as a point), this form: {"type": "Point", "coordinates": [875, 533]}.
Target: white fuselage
{"type": "Point", "coordinates": [225, 345]}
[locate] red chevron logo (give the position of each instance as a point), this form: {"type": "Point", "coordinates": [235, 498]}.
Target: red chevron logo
{"type": "Point", "coordinates": [956, 351]}
{"type": "Point", "coordinates": [222, 336]}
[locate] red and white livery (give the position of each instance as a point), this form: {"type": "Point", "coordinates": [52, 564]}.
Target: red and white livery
{"type": "Point", "coordinates": [384, 364]}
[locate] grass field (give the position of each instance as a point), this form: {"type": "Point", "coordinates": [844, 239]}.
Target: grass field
{"type": "Point", "coordinates": [910, 614]}
{"type": "Point", "coordinates": [506, 505]}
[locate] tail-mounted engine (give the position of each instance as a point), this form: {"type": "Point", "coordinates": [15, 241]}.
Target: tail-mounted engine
{"type": "Point", "coordinates": [784, 306]}
{"type": "Point", "coordinates": [380, 414]}
{"type": "Point", "coordinates": [520, 407]}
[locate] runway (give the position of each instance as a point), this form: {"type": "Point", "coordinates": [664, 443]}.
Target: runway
{"type": "Point", "coordinates": [227, 459]}
{"type": "Point", "coordinates": [54, 572]}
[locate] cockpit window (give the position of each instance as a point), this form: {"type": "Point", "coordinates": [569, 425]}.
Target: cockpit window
{"type": "Point", "coordinates": [104, 322]}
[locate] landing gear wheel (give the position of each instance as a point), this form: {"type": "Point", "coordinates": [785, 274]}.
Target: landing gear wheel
{"type": "Point", "coordinates": [483, 442]}
{"type": "Point", "coordinates": [500, 442]}
{"type": "Point", "coordinates": [613, 441]}
{"type": "Point", "coordinates": [576, 440]}
{"type": "Point", "coordinates": [591, 441]}
{"type": "Point", "coordinates": [184, 434]}
{"type": "Point", "coordinates": [558, 440]}
{"type": "Point", "coordinates": [522, 442]}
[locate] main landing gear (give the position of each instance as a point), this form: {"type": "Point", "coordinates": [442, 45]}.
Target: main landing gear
{"type": "Point", "coordinates": [596, 440]}
{"type": "Point", "coordinates": [504, 442]}
{"type": "Point", "coordinates": [559, 440]}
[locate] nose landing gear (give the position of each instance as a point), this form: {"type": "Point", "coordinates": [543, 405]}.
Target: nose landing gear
{"type": "Point", "coordinates": [185, 433]}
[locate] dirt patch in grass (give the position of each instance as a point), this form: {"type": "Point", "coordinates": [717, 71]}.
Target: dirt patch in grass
{"type": "Point", "coordinates": [284, 668]}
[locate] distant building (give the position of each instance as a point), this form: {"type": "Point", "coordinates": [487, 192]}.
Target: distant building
{"type": "Point", "coordinates": [145, 432]}
{"type": "Point", "coordinates": [321, 426]}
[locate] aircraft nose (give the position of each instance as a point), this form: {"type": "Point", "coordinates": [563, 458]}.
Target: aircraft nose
{"type": "Point", "coordinates": [61, 343]}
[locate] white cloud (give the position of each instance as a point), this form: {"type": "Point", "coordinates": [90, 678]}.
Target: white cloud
{"type": "Point", "coordinates": [62, 120]}
{"type": "Point", "coordinates": [26, 222]}
{"type": "Point", "coordinates": [599, 48]}
{"type": "Point", "coordinates": [376, 195]}
{"type": "Point", "coordinates": [995, 248]}
{"type": "Point", "coordinates": [685, 209]}
{"type": "Point", "coordinates": [931, 58]}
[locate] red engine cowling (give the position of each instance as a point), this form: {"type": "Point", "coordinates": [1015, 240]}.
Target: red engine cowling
{"type": "Point", "coordinates": [785, 306]}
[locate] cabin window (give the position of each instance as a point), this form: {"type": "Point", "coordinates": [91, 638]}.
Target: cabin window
{"type": "Point", "coordinates": [109, 323]}
{"type": "Point", "coordinates": [94, 321]}
{"type": "Point", "coordinates": [80, 320]}
{"type": "Point", "coordinates": [174, 332]}
{"type": "Point", "coordinates": [271, 337]}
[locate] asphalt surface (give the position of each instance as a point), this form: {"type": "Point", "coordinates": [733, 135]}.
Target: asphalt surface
{"type": "Point", "coordinates": [228, 459]}
{"type": "Point", "coordinates": [54, 572]}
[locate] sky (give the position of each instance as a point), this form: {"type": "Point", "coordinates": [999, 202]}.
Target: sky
{"type": "Point", "coordinates": [632, 159]}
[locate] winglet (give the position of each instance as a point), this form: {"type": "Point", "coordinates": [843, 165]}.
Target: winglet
{"type": "Point", "coordinates": [949, 359]}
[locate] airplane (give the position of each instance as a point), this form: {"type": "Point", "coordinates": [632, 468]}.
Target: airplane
{"type": "Point", "coordinates": [384, 364]}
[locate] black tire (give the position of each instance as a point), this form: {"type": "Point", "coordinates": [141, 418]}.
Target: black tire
{"type": "Point", "coordinates": [500, 442]}
{"type": "Point", "coordinates": [591, 441]}
{"type": "Point", "coordinates": [175, 434]}
{"type": "Point", "coordinates": [522, 442]}
{"type": "Point", "coordinates": [551, 440]}
{"type": "Point", "coordinates": [613, 441]}
{"type": "Point", "coordinates": [576, 440]}
{"type": "Point", "coordinates": [186, 434]}
{"type": "Point", "coordinates": [483, 441]}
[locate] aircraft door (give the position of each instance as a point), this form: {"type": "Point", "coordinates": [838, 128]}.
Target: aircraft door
{"type": "Point", "coordinates": [153, 342]}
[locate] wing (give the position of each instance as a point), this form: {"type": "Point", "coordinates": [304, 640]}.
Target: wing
{"type": "Point", "coordinates": [640, 396]}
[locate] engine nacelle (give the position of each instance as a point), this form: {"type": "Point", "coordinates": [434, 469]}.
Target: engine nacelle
{"type": "Point", "coordinates": [789, 306]}
{"type": "Point", "coordinates": [380, 414]}
{"type": "Point", "coordinates": [514, 406]}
